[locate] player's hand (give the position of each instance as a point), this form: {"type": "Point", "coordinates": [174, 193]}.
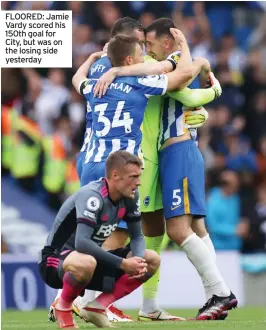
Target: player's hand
{"type": "Point", "coordinates": [94, 56]}
{"type": "Point", "coordinates": [140, 274]}
{"type": "Point", "coordinates": [215, 85]}
{"type": "Point", "coordinates": [205, 64]}
{"type": "Point", "coordinates": [134, 266]}
{"type": "Point", "coordinates": [105, 47]}
{"type": "Point", "coordinates": [104, 82]}
{"type": "Point", "coordinates": [178, 36]}
{"type": "Point", "coordinates": [195, 117]}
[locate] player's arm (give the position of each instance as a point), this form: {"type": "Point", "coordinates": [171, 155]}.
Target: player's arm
{"type": "Point", "coordinates": [84, 244]}
{"type": "Point", "coordinates": [88, 208]}
{"type": "Point", "coordinates": [198, 97]}
{"type": "Point", "coordinates": [193, 97]}
{"type": "Point", "coordinates": [133, 217]}
{"type": "Point", "coordinates": [177, 80]}
{"type": "Point", "coordinates": [81, 75]}
{"type": "Point", "coordinates": [160, 84]}
{"type": "Point", "coordinates": [150, 67]}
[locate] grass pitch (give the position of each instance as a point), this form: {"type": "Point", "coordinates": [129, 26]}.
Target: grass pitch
{"type": "Point", "coordinates": [242, 318]}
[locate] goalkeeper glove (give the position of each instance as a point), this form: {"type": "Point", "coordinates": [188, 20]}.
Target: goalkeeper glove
{"type": "Point", "coordinates": [195, 117]}
{"type": "Point", "coordinates": [215, 85]}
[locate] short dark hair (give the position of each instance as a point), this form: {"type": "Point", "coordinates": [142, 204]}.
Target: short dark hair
{"type": "Point", "coordinates": [120, 47]}
{"type": "Point", "coordinates": [126, 25]}
{"type": "Point", "coordinates": [120, 159]}
{"type": "Point", "coordinates": [161, 27]}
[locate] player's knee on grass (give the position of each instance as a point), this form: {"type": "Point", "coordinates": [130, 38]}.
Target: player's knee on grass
{"type": "Point", "coordinates": [153, 260]}
{"type": "Point", "coordinates": [179, 228]}
{"type": "Point", "coordinates": [153, 223]}
{"type": "Point", "coordinates": [198, 226]}
{"type": "Point", "coordinates": [81, 266]}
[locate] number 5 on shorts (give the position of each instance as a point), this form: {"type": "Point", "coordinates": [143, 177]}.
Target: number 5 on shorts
{"type": "Point", "coordinates": [177, 199]}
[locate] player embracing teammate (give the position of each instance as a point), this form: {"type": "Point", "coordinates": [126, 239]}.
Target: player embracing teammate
{"type": "Point", "coordinates": [114, 122]}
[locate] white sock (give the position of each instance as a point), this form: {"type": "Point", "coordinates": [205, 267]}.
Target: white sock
{"type": "Point", "coordinates": [149, 305]}
{"type": "Point", "coordinates": [207, 240]}
{"type": "Point", "coordinates": [89, 296]}
{"type": "Point", "coordinates": [95, 304]}
{"type": "Point", "coordinates": [200, 256]}
{"type": "Point", "coordinates": [97, 293]}
{"type": "Point", "coordinates": [58, 294]}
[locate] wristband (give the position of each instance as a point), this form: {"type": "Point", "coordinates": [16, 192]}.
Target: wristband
{"type": "Point", "coordinates": [83, 85]}
{"type": "Point", "coordinates": [174, 58]}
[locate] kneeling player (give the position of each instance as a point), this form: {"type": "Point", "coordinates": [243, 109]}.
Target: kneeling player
{"type": "Point", "coordinates": [98, 206]}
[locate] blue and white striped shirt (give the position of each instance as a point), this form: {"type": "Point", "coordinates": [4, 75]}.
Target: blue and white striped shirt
{"type": "Point", "coordinates": [98, 68]}
{"type": "Point", "coordinates": [173, 119]}
{"type": "Point", "coordinates": [118, 115]}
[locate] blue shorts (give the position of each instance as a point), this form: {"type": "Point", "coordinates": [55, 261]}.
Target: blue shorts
{"type": "Point", "coordinates": [79, 163]}
{"type": "Point", "coordinates": [182, 177]}
{"type": "Point", "coordinates": [92, 172]}
{"type": "Point", "coordinates": [95, 171]}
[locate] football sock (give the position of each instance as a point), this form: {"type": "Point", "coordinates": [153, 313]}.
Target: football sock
{"type": "Point", "coordinates": [150, 288]}
{"type": "Point", "coordinates": [200, 256]}
{"type": "Point", "coordinates": [59, 292]}
{"type": "Point", "coordinates": [207, 240]}
{"type": "Point", "coordinates": [89, 296]}
{"type": "Point", "coordinates": [165, 242]}
{"type": "Point", "coordinates": [123, 286]}
{"type": "Point", "coordinates": [71, 289]}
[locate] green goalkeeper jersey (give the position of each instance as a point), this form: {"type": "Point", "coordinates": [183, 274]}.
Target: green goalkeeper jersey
{"type": "Point", "coordinates": [152, 115]}
{"type": "Point", "coordinates": [151, 125]}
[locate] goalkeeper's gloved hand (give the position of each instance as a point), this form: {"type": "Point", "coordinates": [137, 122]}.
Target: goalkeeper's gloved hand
{"type": "Point", "coordinates": [195, 117]}
{"type": "Point", "coordinates": [215, 85]}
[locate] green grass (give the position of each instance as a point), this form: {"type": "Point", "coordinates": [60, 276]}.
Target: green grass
{"type": "Point", "coordinates": [238, 319]}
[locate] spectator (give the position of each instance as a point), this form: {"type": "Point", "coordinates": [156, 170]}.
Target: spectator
{"type": "Point", "coordinates": [49, 98]}
{"type": "Point", "coordinates": [256, 117]}
{"type": "Point", "coordinates": [254, 211]}
{"type": "Point", "coordinates": [253, 259]}
{"type": "Point", "coordinates": [223, 213]}
{"type": "Point", "coordinates": [220, 118]}
{"type": "Point", "coordinates": [146, 18]}
{"type": "Point", "coordinates": [239, 155]}
{"type": "Point", "coordinates": [82, 41]}
{"type": "Point", "coordinates": [231, 54]}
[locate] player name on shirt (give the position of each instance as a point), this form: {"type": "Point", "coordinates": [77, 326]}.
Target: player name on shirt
{"type": "Point", "coordinates": [122, 87]}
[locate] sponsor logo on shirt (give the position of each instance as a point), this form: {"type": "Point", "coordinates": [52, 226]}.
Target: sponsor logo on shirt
{"type": "Point", "coordinates": [89, 214]}
{"type": "Point", "coordinates": [105, 231]}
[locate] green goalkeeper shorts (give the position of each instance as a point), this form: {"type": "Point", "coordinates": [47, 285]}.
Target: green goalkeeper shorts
{"type": "Point", "coordinates": [150, 190]}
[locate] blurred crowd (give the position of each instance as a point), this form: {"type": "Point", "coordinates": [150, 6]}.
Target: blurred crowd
{"type": "Point", "coordinates": [50, 115]}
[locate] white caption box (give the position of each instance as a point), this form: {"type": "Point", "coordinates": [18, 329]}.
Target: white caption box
{"type": "Point", "coordinates": [31, 39]}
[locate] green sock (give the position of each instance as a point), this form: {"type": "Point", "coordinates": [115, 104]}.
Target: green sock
{"type": "Point", "coordinates": [150, 288]}
{"type": "Point", "coordinates": [165, 242]}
